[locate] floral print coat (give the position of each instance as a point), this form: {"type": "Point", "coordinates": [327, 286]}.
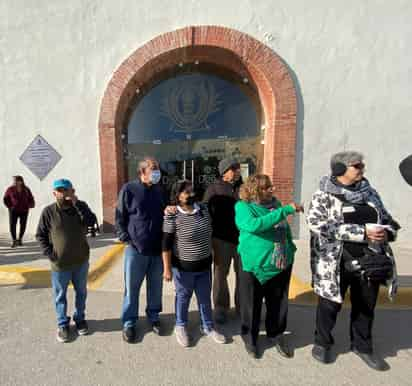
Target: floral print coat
{"type": "Point", "coordinates": [328, 232]}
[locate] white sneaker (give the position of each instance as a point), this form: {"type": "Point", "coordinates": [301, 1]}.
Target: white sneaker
{"type": "Point", "coordinates": [181, 336]}
{"type": "Point", "coordinates": [212, 333]}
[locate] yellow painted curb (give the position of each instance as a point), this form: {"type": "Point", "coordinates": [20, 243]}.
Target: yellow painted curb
{"type": "Point", "coordinates": [37, 277]}
{"type": "Point", "coordinates": [302, 293]}
{"type": "Point", "coordinates": [103, 266]}
{"type": "Point", "coordinates": [40, 277]}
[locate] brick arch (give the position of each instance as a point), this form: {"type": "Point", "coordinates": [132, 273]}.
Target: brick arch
{"type": "Point", "coordinates": [230, 49]}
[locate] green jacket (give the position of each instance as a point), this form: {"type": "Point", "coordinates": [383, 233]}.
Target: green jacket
{"type": "Point", "coordinates": [257, 237]}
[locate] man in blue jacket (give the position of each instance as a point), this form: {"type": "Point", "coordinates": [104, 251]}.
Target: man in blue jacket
{"type": "Point", "coordinates": [139, 220]}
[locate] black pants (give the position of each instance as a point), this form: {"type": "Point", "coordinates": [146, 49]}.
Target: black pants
{"type": "Point", "coordinates": [13, 217]}
{"type": "Point", "coordinates": [363, 296]}
{"type": "Point", "coordinates": [275, 292]}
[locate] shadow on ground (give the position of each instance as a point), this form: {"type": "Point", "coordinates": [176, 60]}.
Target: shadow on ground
{"type": "Point", "coordinates": [30, 250]}
{"type": "Point", "coordinates": [391, 330]}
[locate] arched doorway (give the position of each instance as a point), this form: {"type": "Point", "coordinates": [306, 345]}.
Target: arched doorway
{"type": "Point", "coordinates": [190, 120]}
{"type": "Point", "coordinates": [207, 51]}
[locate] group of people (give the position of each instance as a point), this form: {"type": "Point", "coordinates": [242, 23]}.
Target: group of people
{"type": "Point", "coordinates": [194, 240]}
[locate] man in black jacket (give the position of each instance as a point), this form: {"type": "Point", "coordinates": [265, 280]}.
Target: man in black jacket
{"type": "Point", "coordinates": [221, 198]}
{"type": "Point", "coordinates": [62, 236]}
{"type": "Point", "coordinates": [139, 221]}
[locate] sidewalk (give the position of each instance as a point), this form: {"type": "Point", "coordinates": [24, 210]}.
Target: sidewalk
{"type": "Point", "coordinates": [26, 265]}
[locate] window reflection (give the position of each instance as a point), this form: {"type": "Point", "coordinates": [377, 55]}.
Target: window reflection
{"type": "Point", "coordinates": [192, 121]}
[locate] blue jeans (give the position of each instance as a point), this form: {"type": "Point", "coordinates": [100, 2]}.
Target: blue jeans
{"type": "Point", "coordinates": [60, 282]}
{"type": "Point", "coordinates": [136, 268]}
{"type": "Point", "coordinates": [201, 284]}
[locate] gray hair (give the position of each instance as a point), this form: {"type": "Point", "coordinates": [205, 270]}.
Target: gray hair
{"type": "Point", "coordinates": [347, 158]}
{"type": "Point", "coordinates": [144, 163]}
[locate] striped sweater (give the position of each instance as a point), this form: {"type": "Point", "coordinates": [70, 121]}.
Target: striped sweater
{"type": "Point", "coordinates": [188, 235]}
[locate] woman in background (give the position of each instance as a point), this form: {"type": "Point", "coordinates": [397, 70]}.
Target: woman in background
{"type": "Point", "coordinates": [19, 200]}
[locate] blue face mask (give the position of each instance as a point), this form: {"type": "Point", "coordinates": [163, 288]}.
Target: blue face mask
{"type": "Point", "coordinates": [155, 176]}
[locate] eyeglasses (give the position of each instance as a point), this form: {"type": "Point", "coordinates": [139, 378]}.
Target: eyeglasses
{"type": "Point", "coordinates": [269, 188]}
{"type": "Point", "coordinates": [359, 166]}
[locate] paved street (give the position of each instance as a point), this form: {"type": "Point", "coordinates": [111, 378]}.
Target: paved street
{"type": "Point", "coordinates": [30, 354]}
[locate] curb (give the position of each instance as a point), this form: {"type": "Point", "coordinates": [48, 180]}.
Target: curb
{"type": "Point", "coordinates": [40, 277]}
{"type": "Point", "coordinates": [301, 293]}
{"type": "Point", "coordinates": [104, 265]}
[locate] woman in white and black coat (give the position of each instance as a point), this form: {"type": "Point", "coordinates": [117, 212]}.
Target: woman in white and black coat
{"type": "Point", "coordinates": [337, 215]}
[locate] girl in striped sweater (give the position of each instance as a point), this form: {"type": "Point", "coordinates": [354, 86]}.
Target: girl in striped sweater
{"type": "Point", "coordinates": [186, 252]}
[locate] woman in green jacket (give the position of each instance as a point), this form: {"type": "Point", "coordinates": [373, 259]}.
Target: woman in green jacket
{"type": "Point", "coordinates": [266, 252]}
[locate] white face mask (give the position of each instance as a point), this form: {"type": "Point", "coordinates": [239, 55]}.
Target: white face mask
{"type": "Point", "coordinates": [155, 176]}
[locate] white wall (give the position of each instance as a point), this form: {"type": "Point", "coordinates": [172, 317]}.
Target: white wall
{"type": "Point", "coordinates": [350, 59]}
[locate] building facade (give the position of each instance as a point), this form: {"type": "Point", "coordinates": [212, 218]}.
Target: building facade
{"type": "Point", "coordinates": [88, 88]}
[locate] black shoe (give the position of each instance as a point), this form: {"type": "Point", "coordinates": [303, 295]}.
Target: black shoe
{"type": "Point", "coordinates": [282, 346]}
{"type": "Point", "coordinates": [82, 327]}
{"type": "Point", "coordinates": [129, 334]}
{"type": "Point", "coordinates": [63, 334]}
{"type": "Point", "coordinates": [252, 350]}
{"type": "Point", "coordinates": [322, 354]}
{"type": "Point", "coordinates": [250, 346]}
{"type": "Point", "coordinates": [156, 328]}
{"type": "Point", "coordinates": [14, 244]}
{"type": "Point", "coordinates": [372, 360]}
{"type": "Point", "coordinates": [19, 242]}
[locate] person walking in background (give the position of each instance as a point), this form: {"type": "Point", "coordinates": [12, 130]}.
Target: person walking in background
{"type": "Point", "coordinates": [139, 221]}
{"type": "Point", "coordinates": [221, 198]}
{"type": "Point", "coordinates": [62, 236]}
{"type": "Point", "coordinates": [18, 200]}
{"type": "Point", "coordinates": [266, 252]}
{"type": "Point", "coordinates": [339, 218]}
{"type": "Point", "coordinates": [187, 251]}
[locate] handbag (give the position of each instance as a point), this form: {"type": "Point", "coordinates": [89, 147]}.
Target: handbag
{"type": "Point", "coordinates": [372, 266]}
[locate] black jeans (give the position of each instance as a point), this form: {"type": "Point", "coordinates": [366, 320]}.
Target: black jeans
{"type": "Point", "coordinates": [13, 217]}
{"type": "Point", "coordinates": [363, 296]}
{"type": "Point", "coordinates": [275, 292]}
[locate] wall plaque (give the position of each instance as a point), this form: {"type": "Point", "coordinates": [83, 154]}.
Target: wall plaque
{"type": "Point", "coordinates": [40, 157]}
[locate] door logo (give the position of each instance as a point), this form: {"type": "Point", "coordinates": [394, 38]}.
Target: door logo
{"type": "Point", "coordinates": [190, 104]}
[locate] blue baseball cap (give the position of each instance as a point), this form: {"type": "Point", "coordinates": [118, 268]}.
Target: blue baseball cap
{"type": "Point", "coordinates": [62, 183]}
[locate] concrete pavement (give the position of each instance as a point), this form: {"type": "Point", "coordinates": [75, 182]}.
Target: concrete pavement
{"type": "Point", "coordinates": [26, 265]}
{"type": "Point", "coordinates": [30, 354]}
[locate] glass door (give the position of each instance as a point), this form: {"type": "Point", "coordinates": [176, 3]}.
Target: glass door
{"type": "Point", "coordinates": [189, 122]}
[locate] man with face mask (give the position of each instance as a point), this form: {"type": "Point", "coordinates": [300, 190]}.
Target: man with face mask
{"type": "Point", "coordinates": [221, 198]}
{"type": "Point", "coordinates": [139, 220]}
{"type": "Point", "coordinates": [62, 236]}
